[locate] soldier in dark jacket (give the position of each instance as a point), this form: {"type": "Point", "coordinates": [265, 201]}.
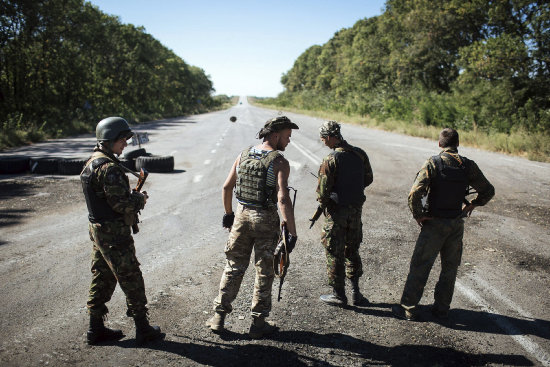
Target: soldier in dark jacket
{"type": "Point", "coordinates": [112, 207]}
{"type": "Point", "coordinates": [444, 179]}
{"type": "Point", "coordinates": [343, 176]}
{"type": "Point", "coordinates": [259, 176]}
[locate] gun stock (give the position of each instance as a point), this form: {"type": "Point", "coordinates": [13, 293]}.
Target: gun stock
{"type": "Point", "coordinates": [141, 181]}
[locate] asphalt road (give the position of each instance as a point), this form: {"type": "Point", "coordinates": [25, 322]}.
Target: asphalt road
{"type": "Point", "coordinates": [501, 309]}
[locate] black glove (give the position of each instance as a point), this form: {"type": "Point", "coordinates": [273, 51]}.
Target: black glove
{"type": "Point", "coordinates": [227, 220]}
{"type": "Point", "coordinates": [290, 243]}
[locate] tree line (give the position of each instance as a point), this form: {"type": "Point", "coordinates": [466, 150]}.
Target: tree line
{"type": "Point", "coordinates": [467, 64]}
{"type": "Point", "coordinates": [64, 65]}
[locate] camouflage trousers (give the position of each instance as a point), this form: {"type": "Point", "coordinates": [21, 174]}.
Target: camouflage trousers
{"type": "Point", "coordinates": [256, 229]}
{"type": "Point", "coordinates": [114, 260]}
{"type": "Point", "coordinates": [438, 236]}
{"type": "Point", "coordinates": [342, 235]}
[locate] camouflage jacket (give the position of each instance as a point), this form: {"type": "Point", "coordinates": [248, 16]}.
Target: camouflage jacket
{"type": "Point", "coordinates": [111, 183]}
{"type": "Point", "coordinates": [424, 177]}
{"type": "Point", "coordinates": [328, 173]}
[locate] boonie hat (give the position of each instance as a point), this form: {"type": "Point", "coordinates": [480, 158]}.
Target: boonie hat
{"type": "Point", "coordinates": [276, 124]}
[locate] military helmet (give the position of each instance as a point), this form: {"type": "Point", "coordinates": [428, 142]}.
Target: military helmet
{"type": "Point", "coordinates": [330, 128]}
{"type": "Point", "coordinates": [113, 128]}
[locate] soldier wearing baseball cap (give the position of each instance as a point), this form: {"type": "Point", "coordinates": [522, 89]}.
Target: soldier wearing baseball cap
{"type": "Point", "coordinates": [343, 176]}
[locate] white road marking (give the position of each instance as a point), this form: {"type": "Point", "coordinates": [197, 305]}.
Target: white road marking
{"type": "Point", "coordinates": [197, 178]}
{"type": "Point", "coordinates": [294, 164]}
{"type": "Point", "coordinates": [501, 297]}
{"type": "Point", "coordinates": [207, 161]}
{"type": "Point", "coordinates": [530, 346]}
{"type": "Point", "coordinates": [311, 156]}
{"type": "Point", "coordinates": [213, 151]}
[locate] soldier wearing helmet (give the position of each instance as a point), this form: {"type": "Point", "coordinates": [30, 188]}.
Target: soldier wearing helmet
{"type": "Point", "coordinates": [259, 177]}
{"type": "Point", "coordinates": [112, 207]}
{"type": "Point", "coordinates": [343, 176]}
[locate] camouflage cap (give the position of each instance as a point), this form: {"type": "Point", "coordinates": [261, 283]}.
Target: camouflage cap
{"type": "Point", "coordinates": [276, 124]}
{"type": "Point", "coordinates": [330, 128]}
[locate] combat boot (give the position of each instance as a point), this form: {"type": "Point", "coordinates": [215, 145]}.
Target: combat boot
{"type": "Point", "coordinates": [260, 327]}
{"type": "Point", "coordinates": [337, 298]}
{"type": "Point", "coordinates": [357, 299]}
{"type": "Point", "coordinates": [215, 323]}
{"type": "Point", "coordinates": [98, 333]}
{"type": "Point", "coordinates": [145, 332]}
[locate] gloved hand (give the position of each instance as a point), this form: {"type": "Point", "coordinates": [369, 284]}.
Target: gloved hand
{"type": "Point", "coordinates": [228, 220]}
{"type": "Point", "coordinates": [290, 243]}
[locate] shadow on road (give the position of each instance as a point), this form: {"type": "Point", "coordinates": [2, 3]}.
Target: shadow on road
{"type": "Point", "coordinates": [486, 322]}
{"type": "Point", "coordinates": [329, 349]}
{"type": "Point", "coordinates": [10, 217]}
{"type": "Point", "coordinates": [468, 320]}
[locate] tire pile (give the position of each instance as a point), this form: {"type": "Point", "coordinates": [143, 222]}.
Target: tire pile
{"type": "Point", "coordinates": [134, 160]}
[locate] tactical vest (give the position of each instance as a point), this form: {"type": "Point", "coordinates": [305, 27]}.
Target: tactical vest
{"type": "Point", "coordinates": [349, 185]}
{"type": "Point", "coordinates": [98, 208]}
{"type": "Point", "coordinates": [448, 189]}
{"type": "Point", "coordinates": [252, 187]}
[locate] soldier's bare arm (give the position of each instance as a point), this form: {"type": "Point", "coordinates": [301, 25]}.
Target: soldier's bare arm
{"type": "Point", "coordinates": [282, 171]}
{"type": "Point", "coordinates": [228, 186]}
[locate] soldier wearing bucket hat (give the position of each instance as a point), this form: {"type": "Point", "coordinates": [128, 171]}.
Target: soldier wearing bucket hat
{"type": "Point", "coordinates": [259, 177]}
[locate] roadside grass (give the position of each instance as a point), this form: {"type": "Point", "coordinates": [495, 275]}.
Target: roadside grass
{"type": "Point", "coordinates": [535, 147]}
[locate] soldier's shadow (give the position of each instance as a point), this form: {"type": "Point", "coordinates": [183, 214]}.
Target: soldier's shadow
{"type": "Point", "coordinates": [336, 347]}
{"type": "Point", "coordinates": [468, 320]}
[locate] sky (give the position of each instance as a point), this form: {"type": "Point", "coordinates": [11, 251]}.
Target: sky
{"type": "Point", "coordinates": [245, 46]}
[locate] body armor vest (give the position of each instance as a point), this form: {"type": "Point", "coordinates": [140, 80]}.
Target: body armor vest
{"type": "Point", "coordinates": [252, 187]}
{"type": "Point", "coordinates": [98, 208]}
{"type": "Point", "coordinates": [448, 189]}
{"type": "Point", "coordinates": [349, 185]}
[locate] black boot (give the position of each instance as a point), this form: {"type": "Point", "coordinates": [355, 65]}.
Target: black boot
{"type": "Point", "coordinates": [145, 332]}
{"type": "Point", "coordinates": [337, 298]}
{"type": "Point", "coordinates": [98, 333]}
{"type": "Point", "coordinates": [357, 299]}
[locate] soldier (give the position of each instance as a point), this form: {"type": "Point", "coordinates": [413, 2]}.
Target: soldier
{"type": "Point", "coordinates": [445, 179]}
{"type": "Point", "coordinates": [112, 207]}
{"type": "Point", "coordinates": [343, 176]}
{"type": "Point", "coordinates": [259, 176]}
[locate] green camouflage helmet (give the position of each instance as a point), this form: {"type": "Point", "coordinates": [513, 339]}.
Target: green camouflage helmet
{"type": "Point", "coordinates": [330, 128]}
{"type": "Point", "coordinates": [113, 128]}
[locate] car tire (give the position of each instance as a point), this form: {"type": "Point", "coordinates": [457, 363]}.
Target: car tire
{"type": "Point", "coordinates": [14, 164]}
{"type": "Point", "coordinates": [45, 166]}
{"type": "Point", "coordinates": [128, 163]}
{"type": "Point", "coordinates": [159, 164]}
{"type": "Point", "coordinates": [133, 154]}
{"type": "Point", "coordinates": [71, 166]}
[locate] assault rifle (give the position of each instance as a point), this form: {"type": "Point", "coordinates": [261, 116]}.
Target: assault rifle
{"type": "Point", "coordinates": [281, 258]}
{"type": "Point", "coordinates": [141, 180]}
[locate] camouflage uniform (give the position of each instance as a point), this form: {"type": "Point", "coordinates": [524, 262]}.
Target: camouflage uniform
{"type": "Point", "coordinates": [342, 232]}
{"type": "Point", "coordinates": [114, 255]}
{"type": "Point", "coordinates": [256, 228]}
{"type": "Point", "coordinates": [439, 235]}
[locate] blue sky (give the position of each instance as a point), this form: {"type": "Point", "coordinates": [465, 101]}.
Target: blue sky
{"type": "Point", "coordinates": [244, 46]}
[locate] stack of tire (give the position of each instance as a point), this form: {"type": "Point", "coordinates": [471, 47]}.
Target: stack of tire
{"type": "Point", "coordinates": [45, 166]}
{"type": "Point", "coordinates": [139, 158]}
{"type": "Point", "coordinates": [134, 160]}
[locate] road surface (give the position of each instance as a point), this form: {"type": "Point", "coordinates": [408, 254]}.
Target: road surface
{"type": "Point", "coordinates": [500, 314]}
